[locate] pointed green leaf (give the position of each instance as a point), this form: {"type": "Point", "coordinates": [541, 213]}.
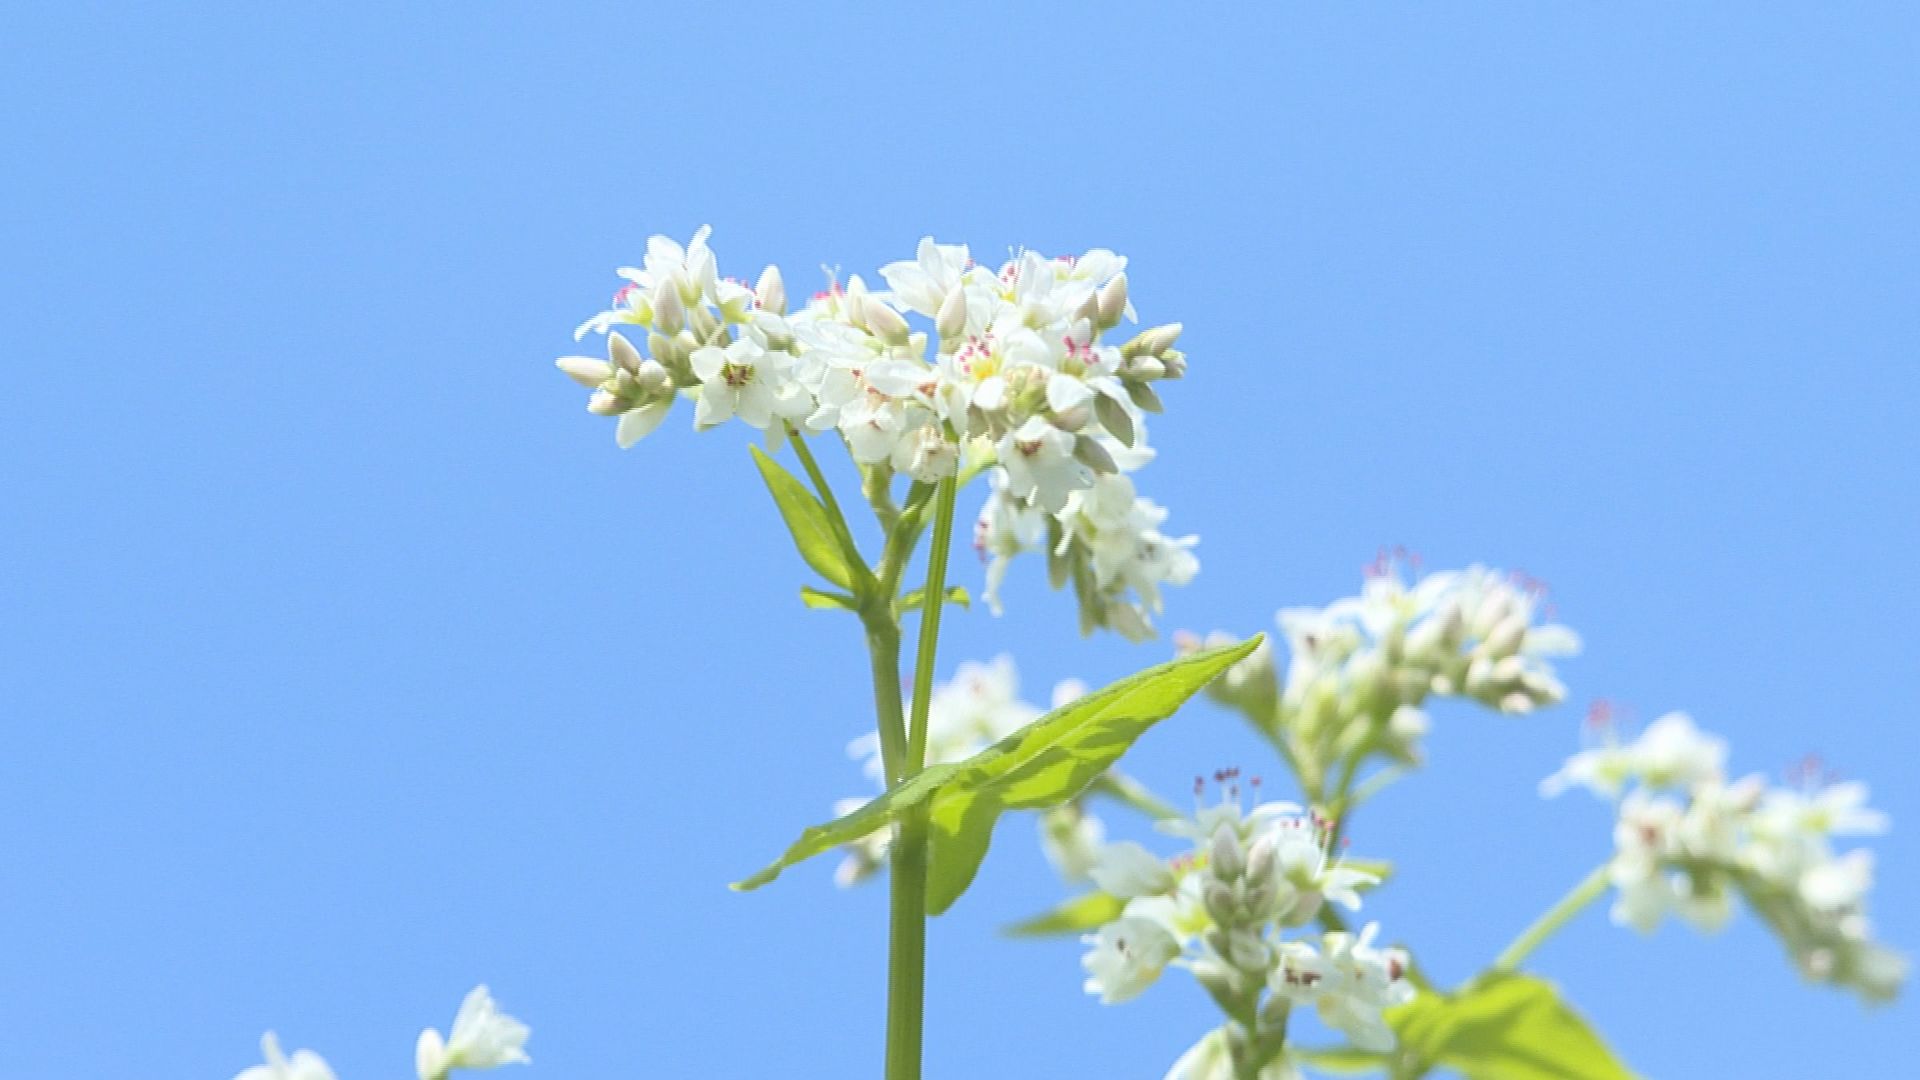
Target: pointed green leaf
{"type": "Point", "coordinates": [1088, 911]}
{"type": "Point", "coordinates": [1044, 764]}
{"type": "Point", "coordinates": [827, 601]}
{"type": "Point", "coordinates": [915, 600]}
{"type": "Point", "coordinates": [1505, 1027]}
{"type": "Point", "coordinates": [806, 519]}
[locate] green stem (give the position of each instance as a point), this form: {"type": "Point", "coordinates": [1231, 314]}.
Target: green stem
{"type": "Point", "coordinates": [1576, 900]}
{"type": "Point", "coordinates": [934, 601]}
{"type": "Point", "coordinates": [907, 947]}
{"type": "Point", "coordinates": [889, 714]}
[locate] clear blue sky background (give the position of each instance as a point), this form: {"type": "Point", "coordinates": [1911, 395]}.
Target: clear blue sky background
{"type": "Point", "coordinates": [344, 662]}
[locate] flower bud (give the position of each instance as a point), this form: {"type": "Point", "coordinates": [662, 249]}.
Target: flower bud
{"type": "Point", "coordinates": [706, 325]}
{"type": "Point", "coordinates": [1218, 899]}
{"type": "Point", "coordinates": [1506, 636]}
{"type": "Point", "coordinates": [606, 403]}
{"type": "Point", "coordinates": [1227, 859]}
{"type": "Point", "coordinates": [622, 353]}
{"type": "Point", "coordinates": [885, 323]}
{"type": "Point", "coordinates": [770, 292]}
{"type": "Point", "coordinates": [1152, 342]}
{"type": "Point", "coordinates": [1113, 301]}
{"type": "Point", "coordinates": [951, 322]}
{"type": "Point", "coordinates": [1260, 857]}
{"type": "Point", "coordinates": [585, 370]}
{"type": "Point", "coordinates": [1175, 363]}
{"type": "Point", "coordinates": [669, 311]}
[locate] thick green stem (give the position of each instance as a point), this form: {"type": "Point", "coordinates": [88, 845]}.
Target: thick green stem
{"type": "Point", "coordinates": [889, 714]}
{"type": "Point", "coordinates": [907, 948]}
{"type": "Point", "coordinates": [1576, 900]}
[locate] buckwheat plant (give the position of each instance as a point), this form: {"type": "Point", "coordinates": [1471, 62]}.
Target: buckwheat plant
{"type": "Point", "coordinates": [955, 372]}
{"type": "Point", "coordinates": [1257, 907]}
{"type": "Point", "coordinates": [959, 373]}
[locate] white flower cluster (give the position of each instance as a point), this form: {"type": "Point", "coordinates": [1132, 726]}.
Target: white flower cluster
{"type": "Point", "coordinates": [977, 708]}
{"type": "Point", "coordinates": [1686, 840]}
{"type": "Point", "coordinates": [1221, 911]}
{"type": "Point", "coordinates": [1362, 669]}
{"type": "Point", "coordinates": [483, 1037]}
{"type": "Point", "coordinates": [1017, 381]}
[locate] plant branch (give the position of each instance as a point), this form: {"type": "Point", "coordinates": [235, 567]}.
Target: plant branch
{"type": "Point", "coordinates": [1576, 900]}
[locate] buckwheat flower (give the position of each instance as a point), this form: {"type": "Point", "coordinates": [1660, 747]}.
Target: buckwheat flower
{"type": "Point", "coordinates": [483, 1037]}
{"type": "Point", "coordinates": [1833, 810]}
{"type": "Point", "coordinates": [748, 380]}
{"type": "Point", "coordinates": [1672, 752]}
{"type": "Point", "coordinates": [1360, 983]}
{"type": "Point", "coordinates": [1128, 956]}
{"type": "Point", "coordinates": [1128, 870]}
{"type": "Point", "coordinates": [923, 284]}
{"type": "Point", "coordinates": [303, 1065]}
{"type": "Point", "coordinates": [1041, 465]}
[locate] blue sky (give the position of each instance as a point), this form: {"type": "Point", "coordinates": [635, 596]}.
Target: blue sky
{"type": "Point", "coordinates": [347, 663]}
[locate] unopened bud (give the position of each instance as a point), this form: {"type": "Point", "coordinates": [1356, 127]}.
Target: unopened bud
{"type": "Point", "coordinates": [585, 370]}
{"type": "Point", "coordinates": [1218, 899]}
{"type": "Point", "coordinates": [1260, 857]}
{"type": "Point", "coordinates": [1151, 342]}
{"type": "Point", "coordinates": [770, 292]}
{"type": "Point", "coordinates": [605, 403]}
{"type": "Point", "coordinates": [654, 381]}
{"type": "Point", "coordinates": [1507, 635]}
{"type": "Point", "coordinates": [622, 353]}
{"type": "Point", "coordinates": [1175, 363]}
{"type": "Point", "coordinates": [885, 323]}
{"type": "Point", "coordinates": [1227, 859]}
{"type": "Point", "coordinates": [1113, 301]}
{"type": "Point", "coordinates": [951, 322]}
{"type": "Point", "coordinates": [705, 324]}
{"type": "Point", "coordinates": [669, 312]}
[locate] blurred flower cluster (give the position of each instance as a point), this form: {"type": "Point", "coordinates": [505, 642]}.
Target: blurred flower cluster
{"type": "Point", "coordinates": [1221, 910]}
{"type": "Point", "coordinates": [1362, 670]}
{"type": "Point", "coordinates": [1013, 380]}
{"type": "Point", "coordinates": [1687, 840]}
{"type": "Point", "coordinates": [482, 1037]}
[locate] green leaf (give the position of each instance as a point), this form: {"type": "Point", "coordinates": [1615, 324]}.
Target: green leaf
{"type": "Point", "coordinates": [806, 519]}
{"type": "Point", "coordinates": [914, 600]}
{"type": "Point", "coordinates": [827, 601]}
{"type": "Point", "coordinates": [1505, 1027]}
{"type": "Point", "coordinates": [1088, 911]}
{"type": "Point", "coordinates": [1046, 763]}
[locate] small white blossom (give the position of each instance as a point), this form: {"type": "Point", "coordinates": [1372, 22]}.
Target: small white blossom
{"type": "Point", "coordinates": [1129, 870]}
{"type": "Point", "coordinates": [303, 1065]}
{"type": "Point", "coordinates": [1128, 956]}
{"type": "Point", "coordinates": [482, 1037]}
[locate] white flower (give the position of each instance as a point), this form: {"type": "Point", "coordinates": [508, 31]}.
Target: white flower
{"type": "Point", "coordinates": [1128, 955]}
{"type": "Point", "coordinates": [1833, 810]}
{"type": "Point", "coordinates": [747, 380]}
{"type": "Point", "coordinates": [1128, 870]}
{"type": "Point", "coordinates": [922, 285]}
{"type": "Point", "coordinates": [1350, 985]}
{"type": "Point", "coordinates": [1672, 752]}
{"type": "Point", "coordinates": [483, 1037]}
{"type": "Point", "coordinates": [1838, 884]}
{"type": "Point", "coordinates": [1040, 464]}
{"type": "Point", "coordinates": [303, 1065]}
